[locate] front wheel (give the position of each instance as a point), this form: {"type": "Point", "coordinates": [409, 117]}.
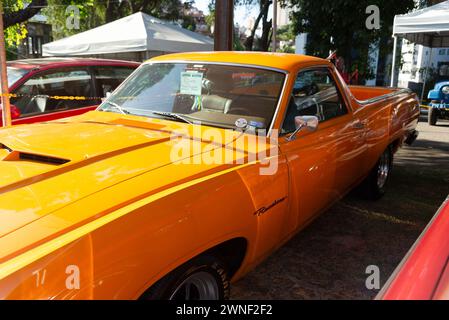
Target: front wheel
{"type": "Point", "coordinates": [374, 185]}
{"type": "Point", "coordinates": [432, 116]}
{"type": "Point", "coordinates": [204, 278]}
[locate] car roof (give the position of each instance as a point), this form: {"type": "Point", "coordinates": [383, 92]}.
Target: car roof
{"type": "Point", "coordinates": [441, 84]}
{"type": "Point", "coordinates": [283, 61]}
{"type": "Point", "coordinates": [61, 62]}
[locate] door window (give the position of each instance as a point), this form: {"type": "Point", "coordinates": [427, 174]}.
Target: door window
{"type": "Point", "coordinates": [315, 93]}
{"type": "Point", "coordinates": [109, 78]}
{"type": "Point", "coordinates": [48, 92]}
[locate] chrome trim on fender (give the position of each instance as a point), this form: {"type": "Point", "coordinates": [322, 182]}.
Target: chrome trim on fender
{"type": "Point", "coordinates": [382, 97]}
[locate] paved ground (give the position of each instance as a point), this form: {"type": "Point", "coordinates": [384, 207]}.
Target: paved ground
{"type": "Point", "coordinates": [328, 259]}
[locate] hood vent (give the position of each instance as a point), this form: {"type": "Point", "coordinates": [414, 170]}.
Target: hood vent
{"type": "Point", "coordinates": [13, 155]}
{"type": "Point", "coordinates": [43, 159]}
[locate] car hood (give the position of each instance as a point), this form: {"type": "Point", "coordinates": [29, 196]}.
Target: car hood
{"type": "Point", "coordinates": [48, 166]}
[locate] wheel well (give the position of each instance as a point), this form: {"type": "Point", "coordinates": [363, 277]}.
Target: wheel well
{"type": "Point", "coordinates": [231, 252]}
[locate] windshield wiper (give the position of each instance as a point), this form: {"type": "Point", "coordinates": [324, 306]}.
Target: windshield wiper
{"type": "Point", "coordinates": [117, 106]}
{"type": "Point", "coordinates": [172, 115]}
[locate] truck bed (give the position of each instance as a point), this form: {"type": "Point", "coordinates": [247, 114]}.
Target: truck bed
{"type": "Point", "coordinates": [363, 93]}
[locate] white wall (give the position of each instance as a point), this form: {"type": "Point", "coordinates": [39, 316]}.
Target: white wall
{"type": "Point", "coordinates": [416, 58]}
{"type": "Point", "coordinates": [300, 43]}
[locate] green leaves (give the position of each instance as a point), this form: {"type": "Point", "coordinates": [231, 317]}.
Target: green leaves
{"type": "Point", "coordinates": [16, 33]}
{"type": "Point", "coordinates": [345, 22]}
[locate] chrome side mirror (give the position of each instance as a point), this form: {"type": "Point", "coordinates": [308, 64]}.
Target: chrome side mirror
{"type": "Point", "coordinates": [308, 122]}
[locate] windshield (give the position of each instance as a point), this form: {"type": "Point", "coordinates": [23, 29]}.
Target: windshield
{"type": "Point", "coordinates": [217, 95]}
{"type": "Point", "coordinates": [14, 74]}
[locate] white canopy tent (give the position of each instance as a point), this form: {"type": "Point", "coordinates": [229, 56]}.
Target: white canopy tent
{"type": "Point", "coordinates": [135, 33]}
{"type": "Point", "coordinates": [428, 27]}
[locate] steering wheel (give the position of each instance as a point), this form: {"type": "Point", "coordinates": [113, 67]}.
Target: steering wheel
{"type": "Point", "coordinates": [313, 88]}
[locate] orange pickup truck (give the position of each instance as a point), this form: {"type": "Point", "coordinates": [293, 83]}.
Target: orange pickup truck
{"type": "Point", "coordinates": [192, 172]}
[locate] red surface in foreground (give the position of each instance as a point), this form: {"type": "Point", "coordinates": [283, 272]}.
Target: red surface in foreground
{"type": "Point", "coordinates": [424, 273]}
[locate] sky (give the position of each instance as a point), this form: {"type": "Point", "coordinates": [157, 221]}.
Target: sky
{"type": "Point", "coordinates": [241, 13]}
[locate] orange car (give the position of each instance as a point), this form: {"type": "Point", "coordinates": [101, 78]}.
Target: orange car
{"type": "Point", "coordinates": [181, 182]}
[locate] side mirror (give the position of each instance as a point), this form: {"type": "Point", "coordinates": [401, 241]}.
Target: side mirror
{"type": "Point", "coordinates": [301, 122]}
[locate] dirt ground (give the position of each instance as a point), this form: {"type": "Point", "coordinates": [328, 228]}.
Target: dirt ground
{"type": "Point", "coordinates": [328, 259]}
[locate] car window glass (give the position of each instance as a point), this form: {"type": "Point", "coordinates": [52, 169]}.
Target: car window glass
{"type": "Point", "coordinates": [109, 78]}
{"type": "Point", "coordinates": [14, 74]}
{"type": "Point", "coordinates": [314, 93]}
{"type": "Point", "coordinates": [55, 91]}
{"type": "Point", "coordinates": [226, 96]}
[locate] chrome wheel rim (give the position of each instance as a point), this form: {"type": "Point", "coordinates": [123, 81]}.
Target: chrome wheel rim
{"type": "Point", "coordinates": [383, 170]}
{"type": "Point", "coordinates": [198, 286]}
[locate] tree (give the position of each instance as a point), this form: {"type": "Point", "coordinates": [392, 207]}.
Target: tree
{"type": "Point", "coordinates": [264, 41]}
{"type": "Point", "coordinates": [93, 13]}
{"type": "Point", "coordinates": [251, 43]}
{"type": "Point", "coordinates": [15, 12]}
{"type": "Point", "coordinates": [164, 9]}
{"type": "Point", "coordinates": [14, 18]}
{"type": "Point", "coordinates": [341, 25]}
{"type": "Point", "coordinates": [90, 14]}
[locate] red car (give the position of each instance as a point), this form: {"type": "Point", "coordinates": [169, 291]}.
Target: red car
{"type": "Point", "coordinates": [54, 88]}
{"type": "Point", "coordinates": [424, 272]}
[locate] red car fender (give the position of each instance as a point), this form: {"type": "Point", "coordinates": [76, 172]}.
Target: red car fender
{"type": "Point", "coordinates": [419, 274]}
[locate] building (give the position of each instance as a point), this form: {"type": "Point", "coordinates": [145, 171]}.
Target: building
{"type": "Point", "coordinates": [38, 33]}
{"type": "Point", "coordinates": [419, 61]}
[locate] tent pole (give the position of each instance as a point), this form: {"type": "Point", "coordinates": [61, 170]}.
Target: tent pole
{"type": "Point", "coordinates": [426, 71]}
{"type": "Point", "coordinates": [6, 108]}
{"type": "Point", "coordinates": [393, 64]}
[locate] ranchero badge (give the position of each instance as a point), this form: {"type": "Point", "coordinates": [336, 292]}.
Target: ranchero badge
{"type": "Point", "coordinates": [262, 210]}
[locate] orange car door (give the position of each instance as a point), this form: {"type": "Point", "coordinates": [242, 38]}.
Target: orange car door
{"type": "Point", "coordinates": [317, 160]}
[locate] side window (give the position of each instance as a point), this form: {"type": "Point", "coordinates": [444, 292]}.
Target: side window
{"type": "Point", "coordinates": [109, 78]}
{"type": "Point", "coordinates": [38, 94]}
{"type": "Point", "coordinates": [314, 93]}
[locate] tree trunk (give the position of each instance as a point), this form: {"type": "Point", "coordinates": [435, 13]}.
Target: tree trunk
{"type": "Point", "coordinates": [12, 18]}
{"type": "Point", "coordinates": [250, 40]}
{"type": "Point", "coordinates": [264, 43]}
{"type": "Point", "coordinates": [110, 10]}
{"type": "Point", "coordinates": [264, 5]}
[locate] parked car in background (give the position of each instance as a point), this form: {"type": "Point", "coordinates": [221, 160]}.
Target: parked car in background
{"type": "Point", "coordinates": [54, 88]}
{"type": "Point", "coordinates": [190, 174]}
{"type": "Point", "coordinates": [424, 273]}
{"type": "Point", "coordinates": [439, 105]}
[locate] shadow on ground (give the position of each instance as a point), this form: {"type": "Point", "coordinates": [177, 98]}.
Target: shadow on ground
{"type": "Point", "coordinates": [328, 260]}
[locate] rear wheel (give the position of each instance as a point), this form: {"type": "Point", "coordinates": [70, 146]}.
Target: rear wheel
{"type": "Point", "coordinates": [204, 278]}
{"type": "Point", "coordinates": [432, 116]}
{"type": "Point", "coordinates": [374, 185]}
